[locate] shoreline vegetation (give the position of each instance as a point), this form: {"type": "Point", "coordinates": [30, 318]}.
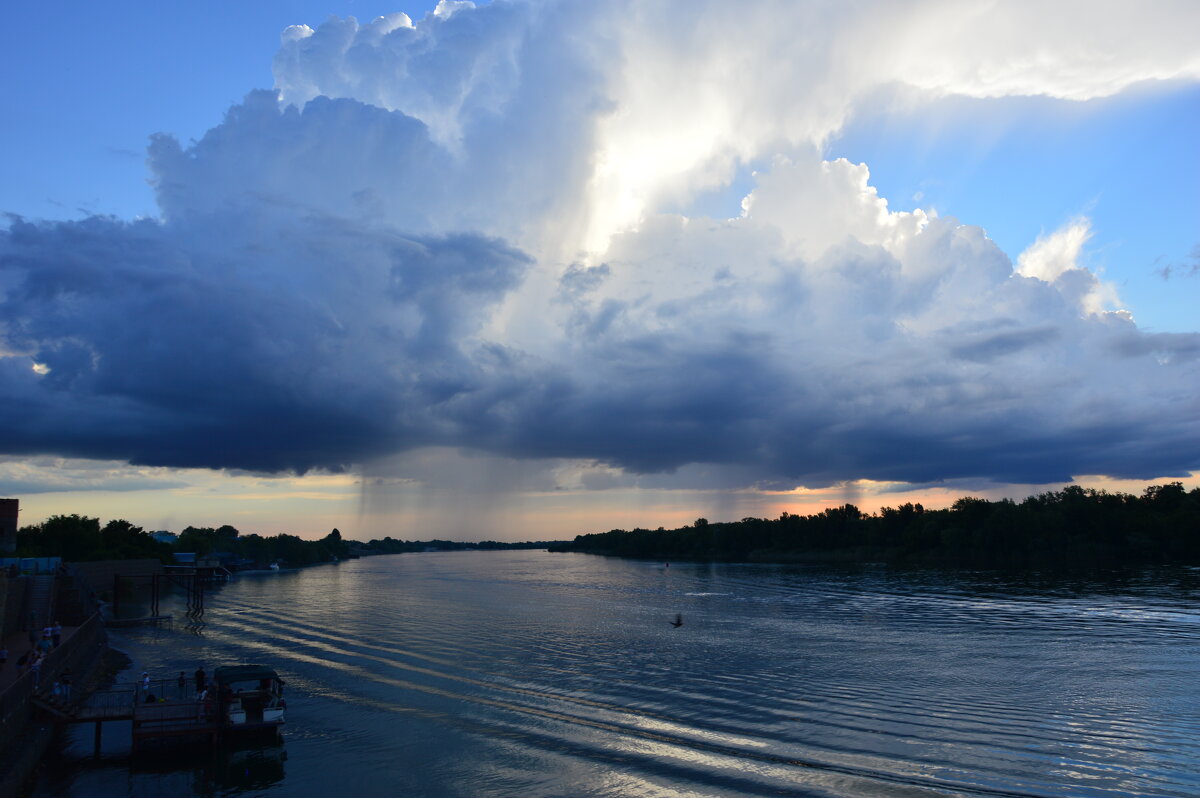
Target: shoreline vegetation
{"type": "Point", "coordinates": [77, 538]}
{"type": "Point", "coordinates": [1070, 527]}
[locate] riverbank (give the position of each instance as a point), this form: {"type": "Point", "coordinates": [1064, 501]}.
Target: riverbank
{"type": "Point", "coordinates": [26, 733]}
{"type": "Point", "coordinates": [1070, 527]}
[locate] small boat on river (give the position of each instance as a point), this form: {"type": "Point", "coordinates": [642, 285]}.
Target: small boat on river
{"type": "Point", "coordinates": [250, 698]}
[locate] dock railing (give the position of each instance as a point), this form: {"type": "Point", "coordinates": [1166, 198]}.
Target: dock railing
{"type": "Point", "coordinates": [111, 704]}
{"type": "Point", "coordinates": [121, 700]}
{"type": "Point", "coordinates": [170, 690]}
{"type": "Point", "coordinates": [175, 711]}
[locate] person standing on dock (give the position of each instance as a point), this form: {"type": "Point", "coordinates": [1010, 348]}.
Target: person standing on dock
{"type": "Point", "coordinates": [182, 684]}
{"type": "Point", "coordinates": [202, 704]}
{"type": "Point", "coordinates": [201, 678]}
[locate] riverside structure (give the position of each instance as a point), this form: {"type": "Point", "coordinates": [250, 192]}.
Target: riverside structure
{"type": "Point", "coordinates": [63, 687]}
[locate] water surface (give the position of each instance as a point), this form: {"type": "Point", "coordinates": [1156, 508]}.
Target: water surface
{"type": "Point", "coordinates": [537, 674]}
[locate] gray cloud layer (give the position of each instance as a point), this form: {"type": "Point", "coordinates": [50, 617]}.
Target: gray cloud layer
{"type": "Point", "coordinates": [258, 341]}
{"type": "Point", "coordinates": [460, 249]}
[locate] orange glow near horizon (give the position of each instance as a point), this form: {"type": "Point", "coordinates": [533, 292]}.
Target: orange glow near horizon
{"type": "Point", "coordinates": [311, 506]}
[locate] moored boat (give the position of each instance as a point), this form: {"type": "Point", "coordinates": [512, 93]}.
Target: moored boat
{"type": "Point", "coordinates": [250, 698]}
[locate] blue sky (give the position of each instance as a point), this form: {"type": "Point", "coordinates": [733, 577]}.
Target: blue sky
{"type": "Point", "coordinates": [497, 271]}
{"type": "Point", "coordinates": [1021, 166]}
{"type": "Point", "coordinates": [89, 83]}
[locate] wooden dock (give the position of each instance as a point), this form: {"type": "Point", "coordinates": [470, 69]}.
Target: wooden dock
{"type": "Point", "coordinates": [144, 620]}
{"type": "Point", "coordinates": [173, 719]}
{"type": "Point", "coordinates": [174, 715]}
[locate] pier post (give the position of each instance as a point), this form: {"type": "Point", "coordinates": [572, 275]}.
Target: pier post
{"type": "Point", "coordinates": [96, 748]}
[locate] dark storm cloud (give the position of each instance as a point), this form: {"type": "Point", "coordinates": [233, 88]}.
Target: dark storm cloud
{"type": "Point", "coordinates": [988, 347]}
{"type": "Point", "coordinates": [460, 249]}
{"type": "Point", "coordinates": [273, 329]}
{"type": "Point", "coordinates": [235, 341]}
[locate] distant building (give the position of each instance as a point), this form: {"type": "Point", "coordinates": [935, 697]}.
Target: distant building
{"type": "Point", "coordinates": [163, 536]}
{"type": "Point", "coordinates": [8, 525]}
{"type": "Point", "coordinates": [227, 558]}
{"type": "Point", "coordinates": [190, 559]}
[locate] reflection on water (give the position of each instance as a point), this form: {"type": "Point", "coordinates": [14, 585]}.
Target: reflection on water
{"type": "Point", "coordinates": [226, 770]}
{"type": "Point", "coordinates": [526, 673]}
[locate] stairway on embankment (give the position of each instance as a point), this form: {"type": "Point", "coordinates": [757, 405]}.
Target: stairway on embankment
{"type": "Point", "coordinates": [39, 600]}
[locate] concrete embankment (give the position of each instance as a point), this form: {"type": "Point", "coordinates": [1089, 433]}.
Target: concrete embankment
{"type": "Point", "coordinates": [30, 603]}
{"type": "Point", "coordinates": [24, 733]}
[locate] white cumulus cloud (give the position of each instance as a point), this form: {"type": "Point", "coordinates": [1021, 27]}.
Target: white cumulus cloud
{"type": "Point", "coordinates": [1055, 258]}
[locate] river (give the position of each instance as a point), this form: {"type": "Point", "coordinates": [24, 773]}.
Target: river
{"type": "Point", "coordinates": [533, 674]}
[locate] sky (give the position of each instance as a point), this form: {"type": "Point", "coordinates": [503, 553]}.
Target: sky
{"type": "Point", "coordinates": [525, 270]}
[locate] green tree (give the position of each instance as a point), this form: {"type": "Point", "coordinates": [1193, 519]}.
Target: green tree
{"type": "Point", "coordinates": [334, 544]}
{"type": "Point", "coordinates": [72, 537]}
{"type": "Point", "coordinates": [122, 540]}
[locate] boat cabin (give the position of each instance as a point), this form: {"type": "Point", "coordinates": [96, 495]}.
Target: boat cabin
{"type": "Point", "coordinates": [250, 697]}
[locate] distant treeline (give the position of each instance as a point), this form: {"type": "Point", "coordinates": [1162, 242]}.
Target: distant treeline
{"type": "Point", "coordinates": [78, 538]}
{"type": "Point", "coordinates": [1070, 526]}
{"type": "Point", "coordinates": [392, 546]}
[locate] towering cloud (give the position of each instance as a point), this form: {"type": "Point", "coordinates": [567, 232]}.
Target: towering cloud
{"type": "Point", "coordinates": [450, 233]}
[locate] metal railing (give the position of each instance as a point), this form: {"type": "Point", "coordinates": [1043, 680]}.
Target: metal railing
{"type": "Point", "coordinates": [112, 703]}
{"type": "Point", "coordinates": [169, 689]}
{"type": "Point", "coordinates": [76, 654]}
